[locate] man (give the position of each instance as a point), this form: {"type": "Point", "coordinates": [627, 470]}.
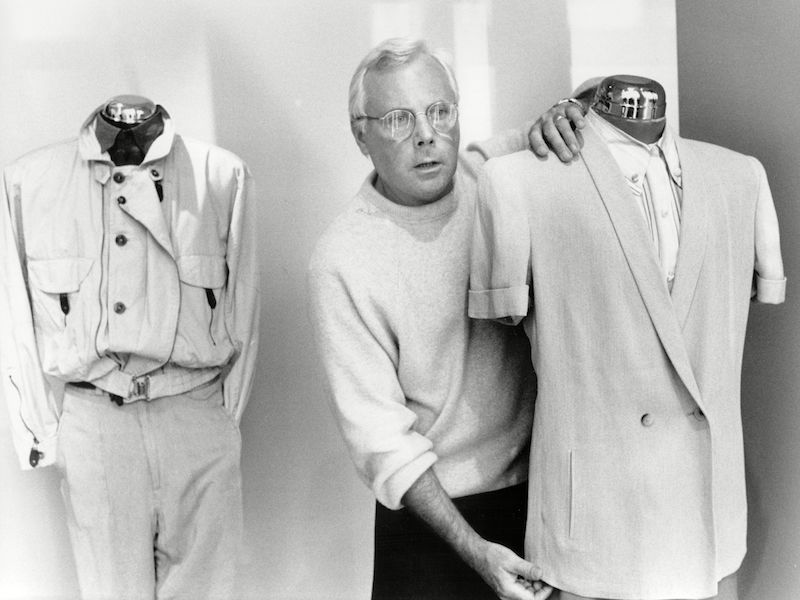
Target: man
{"type": "Point", "coordinates": [432, 407]}
{"type": "Point", "coordinates": [632, 268]}
{"type": "Point", "coordinates": [130, 325]}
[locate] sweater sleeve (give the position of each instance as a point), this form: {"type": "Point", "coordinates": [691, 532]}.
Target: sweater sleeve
{"type": "Point", "coordinates": [500, 262]}
{"type": "Point", "coordinates": [360, 356]}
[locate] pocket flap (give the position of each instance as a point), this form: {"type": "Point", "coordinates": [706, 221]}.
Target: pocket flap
{"type": "Point", "coordinates": [59, 275]}
{"type": "Point", "coordinates": [203, 271]}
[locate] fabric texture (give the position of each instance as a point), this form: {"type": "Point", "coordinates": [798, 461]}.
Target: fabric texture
{"type": "Point", "coordinates": [111, 270]}
{"type": "Point", "coordinates": [637, 471]}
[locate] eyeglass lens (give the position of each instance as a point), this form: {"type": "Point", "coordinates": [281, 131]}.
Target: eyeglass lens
{"type": "Point", "coordinates": [399, 123]}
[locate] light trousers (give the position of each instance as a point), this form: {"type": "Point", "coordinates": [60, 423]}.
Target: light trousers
{"type": "Point", "coordinates": [153, 494]}
{"type": "Point", "coordinates": [727, 590]}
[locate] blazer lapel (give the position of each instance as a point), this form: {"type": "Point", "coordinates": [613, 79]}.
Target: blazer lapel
{"type": "Point", "coordinates": [637, 247]}
{"type": "Point", "coordinates": [694, 233]}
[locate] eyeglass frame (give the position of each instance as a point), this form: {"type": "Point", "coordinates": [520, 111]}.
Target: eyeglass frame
{"type": "Point", "coordinates": [453, 106]}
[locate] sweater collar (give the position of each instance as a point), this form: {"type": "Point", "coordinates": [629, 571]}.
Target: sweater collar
{"type": "Point", "coordinates": [426, 212]}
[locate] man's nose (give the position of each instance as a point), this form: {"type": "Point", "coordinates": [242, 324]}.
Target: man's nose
{"type": "Point", "coordinates": [423, 132]}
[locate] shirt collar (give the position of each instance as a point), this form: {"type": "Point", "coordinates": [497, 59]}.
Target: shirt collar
{"type": "Point", "coordinates": [633, 155]}
{"type": "Point", "coordinates": [97, 136]}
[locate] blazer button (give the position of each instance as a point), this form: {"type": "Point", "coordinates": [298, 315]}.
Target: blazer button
{"type": "Point", "coordinates": [119, 177]}
{"type": "Point", "coordinates": [121, 200]}
{"type": "Point", "coordinates": [119, 308]}
{"type": "Point", "coordinates": [647, 419]}
{"type": "Point", "coordinates": [121, 240]}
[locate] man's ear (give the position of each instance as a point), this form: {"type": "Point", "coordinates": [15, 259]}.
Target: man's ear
{"type": "Point", "coordinates": [357, 128]}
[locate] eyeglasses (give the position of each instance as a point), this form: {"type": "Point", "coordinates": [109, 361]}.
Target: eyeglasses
{"type": "Point", "coordinates": [399, 123]}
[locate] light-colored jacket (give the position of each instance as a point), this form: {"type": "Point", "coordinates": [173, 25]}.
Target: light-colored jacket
{"type": "Point", "coordinates": [136, 278]}
{"type": "Point", "coordinates": [637, 483]}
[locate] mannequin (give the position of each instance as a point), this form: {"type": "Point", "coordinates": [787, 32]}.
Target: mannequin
{"type": "Point", "coordinates": [136, 389]}
{"type": "Point", "coordinates": [644, 257]}
{"type": "Point", "coordinates": [636, 105]}
{"type": "Point", "coordinates": [127, 126]}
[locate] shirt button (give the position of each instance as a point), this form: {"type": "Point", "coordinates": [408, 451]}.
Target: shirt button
{"type": "Point", "coordinates": [121, 240]}
{"type": "Point", "coordinates": [119, 308]}
{"type": "Point", "coordinates": [122, 200]}
{"type": "Point", "coordinates": [635, 178]}
{"type": "Point", "coordinates": [119, 177]}
{"type": "Point", "coordinates": [647, 419]}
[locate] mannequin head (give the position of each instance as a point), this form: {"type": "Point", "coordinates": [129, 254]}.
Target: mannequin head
{"type": "Point", "coordinates": [128, 110]}
{"type": "Point", "coordinates": [635, 105]}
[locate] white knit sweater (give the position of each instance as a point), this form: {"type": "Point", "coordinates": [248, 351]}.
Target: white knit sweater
{"type": "Point", "coordinates": [413, 381]}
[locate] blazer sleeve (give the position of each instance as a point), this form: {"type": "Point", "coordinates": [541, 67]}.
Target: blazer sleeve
{"type": "Point", "coordinates": [500, 262]}
{"type": "Point", "coordinates": [770, 281]}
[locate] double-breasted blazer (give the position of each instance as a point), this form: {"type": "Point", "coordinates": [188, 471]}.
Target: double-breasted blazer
{"type": "Point", "coordinates": [637, 484]}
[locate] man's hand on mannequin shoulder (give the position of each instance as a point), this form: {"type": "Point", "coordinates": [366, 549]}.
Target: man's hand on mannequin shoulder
{"type": "Point", "coordinates": [558, 130]}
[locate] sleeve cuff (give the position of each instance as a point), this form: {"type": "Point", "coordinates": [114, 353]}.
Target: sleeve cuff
{"type": "Point", "coordinates": [770, 291]}
{"type": "Point", "coordinates": [500, 303]}
{"type": "Point", "coordinates": [48, 452]}
{"type": "Point", "coordinates": [395, 487]}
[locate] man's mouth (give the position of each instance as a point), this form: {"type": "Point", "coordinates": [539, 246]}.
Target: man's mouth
{"type": "Point", "coordinates": [428, 164]}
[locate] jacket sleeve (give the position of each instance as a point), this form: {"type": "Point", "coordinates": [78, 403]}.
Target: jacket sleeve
{"type": "Point", "coordinates": [31, 401]}
{"type": "Point", "coordinates": [500, 261]}
{"type": "Point", "coordinates": [770, 281]}
{"type": "Point", "coordinates": [359, 357]}
{"type": "Point", "coordinates": [244, 301]}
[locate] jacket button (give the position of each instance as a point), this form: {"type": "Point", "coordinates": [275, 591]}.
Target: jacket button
{"type": "Point", "coordinates": [119, 177]}
{"type": "Point", "coordinates": [154, 173]}
{"type": "Point", "coordinates": [647, 419]}
{"type": "Point", "coordinates": [122, 200]}
{"type": "Point", "coordinates": [698, 414]}
{"type": "Point", "coordinates": [119, 308]}
{"type": "Point", "coordinates": [121, 240]}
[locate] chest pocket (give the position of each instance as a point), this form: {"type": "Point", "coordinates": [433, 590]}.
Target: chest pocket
{"type": "Point", "coordinates": [203, 285]}
{"type": "Point", "coordinates": [55, 288]}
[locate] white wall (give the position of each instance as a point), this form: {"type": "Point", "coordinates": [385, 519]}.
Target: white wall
{"type": "Point", "coordinates": [267, 80]}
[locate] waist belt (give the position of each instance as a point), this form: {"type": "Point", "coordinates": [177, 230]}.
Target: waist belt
{"type": "Point", "coordinates": [125, 388]}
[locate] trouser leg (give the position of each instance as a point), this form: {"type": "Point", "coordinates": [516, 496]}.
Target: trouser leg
{"type": "Point", "coordinates": [153, 495]}
{"type": "Point", "coordinates": [199, 520]}
{"type": "Point", "coordinates": [413, 563]}
{"type": "Point", "coordinates": [108, 494]}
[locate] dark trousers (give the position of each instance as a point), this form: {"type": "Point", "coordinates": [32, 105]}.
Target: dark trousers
{"type": "Point", "coordinates": [413, 563]}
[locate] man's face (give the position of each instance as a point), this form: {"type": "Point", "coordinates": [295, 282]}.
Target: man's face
{"type": "Point", "coordinates": [419, 169]}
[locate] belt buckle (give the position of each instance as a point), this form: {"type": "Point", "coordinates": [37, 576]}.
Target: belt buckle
{"type": "Point", "coordinates": [140, 388]}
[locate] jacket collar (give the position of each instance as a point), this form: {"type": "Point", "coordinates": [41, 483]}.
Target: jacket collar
{"type": "Point", "coordinates": [667, 313]}
{"type": "Point", "coordinates": [93, 138]}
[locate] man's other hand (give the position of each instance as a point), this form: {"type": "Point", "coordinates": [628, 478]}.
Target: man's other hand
{"type": "Point", "coordinates": [511, 577]}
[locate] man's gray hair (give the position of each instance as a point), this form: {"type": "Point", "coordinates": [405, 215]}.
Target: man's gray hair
{"type": "Point", "coordinates": [386, 55]}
